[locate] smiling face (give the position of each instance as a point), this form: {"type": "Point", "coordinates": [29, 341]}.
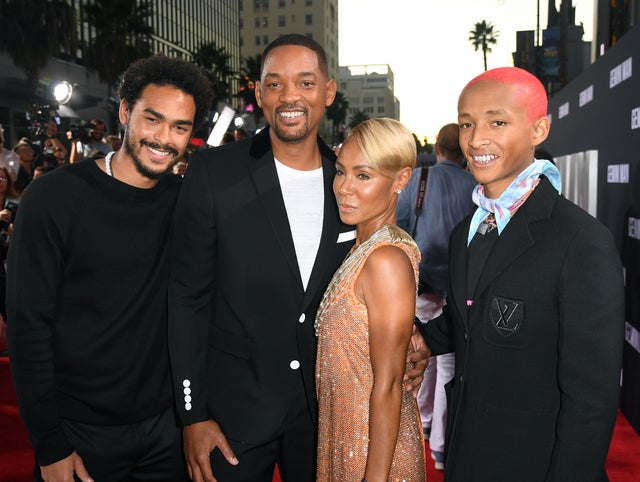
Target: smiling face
{"type": "Point", "coordinates": [158, 129]}
{"type": "Point", "coordinates": [496, 136]}
{"type": "Point", "coordinates": [293, 92]}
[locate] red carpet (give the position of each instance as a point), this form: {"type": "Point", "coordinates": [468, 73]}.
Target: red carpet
{"type": "Point", "coordinates": [16, 456]}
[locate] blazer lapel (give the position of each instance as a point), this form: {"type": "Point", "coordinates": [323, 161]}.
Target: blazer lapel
{"type": "Point", "coordinates": [267, 184]}
{"type": "Point", "coordinates": [512, 242]}
{"type": "Point", "coordinates": [458, 270]}
{"type": "Point", "coordinates": [265, 177]}
{"type": "Point", "coordinates": [331, 228]}
{"type": "Point", "coordinates": [517, 237]}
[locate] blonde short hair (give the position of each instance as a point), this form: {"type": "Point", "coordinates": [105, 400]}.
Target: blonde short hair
{"type": "Point", "coordinates": [386, 143]}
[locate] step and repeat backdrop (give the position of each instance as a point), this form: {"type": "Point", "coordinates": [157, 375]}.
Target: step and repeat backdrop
{"type": "Point", "coordinates": [595, 140]}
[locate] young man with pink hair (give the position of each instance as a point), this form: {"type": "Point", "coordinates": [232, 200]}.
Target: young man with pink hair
{"type": "Point", "coordinates": [535, 305]}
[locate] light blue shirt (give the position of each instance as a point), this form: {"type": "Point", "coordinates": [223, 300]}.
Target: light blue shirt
{"type": "Point", "coordinates": [447, 202]}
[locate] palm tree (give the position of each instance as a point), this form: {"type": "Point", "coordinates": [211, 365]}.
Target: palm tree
{"type": "Point", "coordinates": [337, 113]}
{"type": "Point", "coordinates": [358, 117]}
{"type": "Point", "coordinates": [249, 75]}
{"type": "Point", "coordinates": [215, 62]}
{"type": "Point", "coordinates": [35, 30]}
{"type": "Point", "coordinates": [122, 35]}
{"type": "Point", "coordinates": [483, 37]}
{"type": "Point", "coordinates": [423, 146]}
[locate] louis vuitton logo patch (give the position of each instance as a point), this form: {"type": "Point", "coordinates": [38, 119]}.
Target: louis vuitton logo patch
{"type": "Point", "coordinates": [507, 315]}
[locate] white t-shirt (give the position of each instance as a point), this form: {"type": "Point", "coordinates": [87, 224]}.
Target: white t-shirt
{"type": "Point", "coordinates": [303, 193]}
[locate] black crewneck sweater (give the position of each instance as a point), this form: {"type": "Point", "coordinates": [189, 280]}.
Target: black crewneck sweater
{"type": "Point", "coordinates": [87, 320]}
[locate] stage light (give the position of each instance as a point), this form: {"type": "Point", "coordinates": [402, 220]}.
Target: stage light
{"type": "Point", "coordinates": [62, 92]}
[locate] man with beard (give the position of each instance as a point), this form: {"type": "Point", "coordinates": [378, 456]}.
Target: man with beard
{"type": "Point", "coordinates": [87, 303]}
{"type": "Point", "coordinates": [257, 240]}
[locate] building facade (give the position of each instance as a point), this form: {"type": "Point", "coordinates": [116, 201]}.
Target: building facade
{"type": "Point", "coordinates": [369, 89]}
{"type": "Point", "coordinates": [613, 19]}
{"type": "Point", "coordinates": [179, 26]}
{"type": "Point", "coordinates": [262, 21]}
{"type": "Point", "coordinates": [560, 55]}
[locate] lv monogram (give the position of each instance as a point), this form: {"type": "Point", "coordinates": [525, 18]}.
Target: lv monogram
{"type": "Point", "coordinates": [507, 315]}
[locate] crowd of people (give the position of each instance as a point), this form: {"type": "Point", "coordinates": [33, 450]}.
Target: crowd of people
{"type": "Point", "coordinates": [259, 307]}
{"type": "Point", "coordinates": [49, 149]}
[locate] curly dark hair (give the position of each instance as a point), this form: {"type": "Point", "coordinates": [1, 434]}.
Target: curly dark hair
{"type": "Point", "coordinates": [162, 70]}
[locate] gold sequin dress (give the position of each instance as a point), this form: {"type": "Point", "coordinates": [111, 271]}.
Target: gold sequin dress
{"type": "Point", "coordinates": [344, 377]}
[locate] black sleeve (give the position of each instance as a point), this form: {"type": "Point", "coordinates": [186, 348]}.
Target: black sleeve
{"type": "Point", "coordinates": [190, 292]}
{"type": "Point", "coordinates": [34, 274]}
{"type": "Point", "coordinates": [438, 333]}
{"type": "Point", "coordinates": [590, 355]}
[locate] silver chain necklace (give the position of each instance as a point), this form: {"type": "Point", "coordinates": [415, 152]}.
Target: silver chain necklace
{"type": "Point", "coordinates": [107, 163]}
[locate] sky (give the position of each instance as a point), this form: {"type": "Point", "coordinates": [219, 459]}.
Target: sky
{"type": "Point", "coordinates": [425, 44]}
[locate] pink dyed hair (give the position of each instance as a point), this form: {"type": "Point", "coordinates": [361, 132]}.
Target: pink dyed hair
{"type": "Point", "coordinates": [529, 90]}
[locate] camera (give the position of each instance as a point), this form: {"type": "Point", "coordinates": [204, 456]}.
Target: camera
{"type": "Point", "coordinates": [49, 150]}
{"type": "Point", "coordinates": [13, 208]}
{"type": "Point", "coordinates": [38, 116]}
{"type": "Point", "coordinates": [80, 131]}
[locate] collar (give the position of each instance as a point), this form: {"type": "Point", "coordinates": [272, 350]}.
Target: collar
{"type": "Point", "coordinates": [261, 144]}
{"type": "Point", "coordinates": [510, 200]}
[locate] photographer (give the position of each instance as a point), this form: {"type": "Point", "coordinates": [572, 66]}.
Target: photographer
{"type": "Point", "coordinates": [8, 158]}
{"type": "Point", "coordinates": [9, 203]}
{"type": "Point", "coordinates": [25, 153]}
{"type": "Point", "coordinates": [54, 147]}
{"type": "Point", "coordinates": [46, 135]}
{"type": "Point", "coordinates": [84, 145]}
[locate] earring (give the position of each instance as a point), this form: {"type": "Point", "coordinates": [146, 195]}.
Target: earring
{"type": "Point", "coordinates": [398, 191]}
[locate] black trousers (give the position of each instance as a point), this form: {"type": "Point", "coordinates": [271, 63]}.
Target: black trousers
{"type": "Point", "coordinates": [294, 450]}
{"type": "Point", "coordinates": [150, 450]}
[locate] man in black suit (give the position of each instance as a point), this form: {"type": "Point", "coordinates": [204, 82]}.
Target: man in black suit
{"type": "Point", "coordinates": [535, 306]}
{"type": "Point", "coordinates": [257, 239]}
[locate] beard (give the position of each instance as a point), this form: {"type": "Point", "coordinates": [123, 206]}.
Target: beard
{"type": "Point", "coordinates": [130, 143]}
{"type": "Point", "coordinates": [286, 135]}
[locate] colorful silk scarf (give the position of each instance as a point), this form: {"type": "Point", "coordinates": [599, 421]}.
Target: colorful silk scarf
{"type": "Point", "coordinates": [510, 200]}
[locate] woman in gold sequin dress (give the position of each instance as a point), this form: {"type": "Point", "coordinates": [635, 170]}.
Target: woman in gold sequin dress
{"type": "Point", "coordinates": [369, 427]}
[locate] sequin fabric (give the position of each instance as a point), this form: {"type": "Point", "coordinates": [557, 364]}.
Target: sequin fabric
{"type": "Point", "coordinates": [344, 377]}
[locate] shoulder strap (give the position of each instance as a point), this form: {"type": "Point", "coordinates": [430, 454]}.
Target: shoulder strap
{"type": "Point", "coordinates": [422, 191]}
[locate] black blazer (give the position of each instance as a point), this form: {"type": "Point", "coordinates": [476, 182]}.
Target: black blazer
{"type": "Point", "coordinates": [240, 323]}
{"type": "Point", "coordinates": [538, 353]}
